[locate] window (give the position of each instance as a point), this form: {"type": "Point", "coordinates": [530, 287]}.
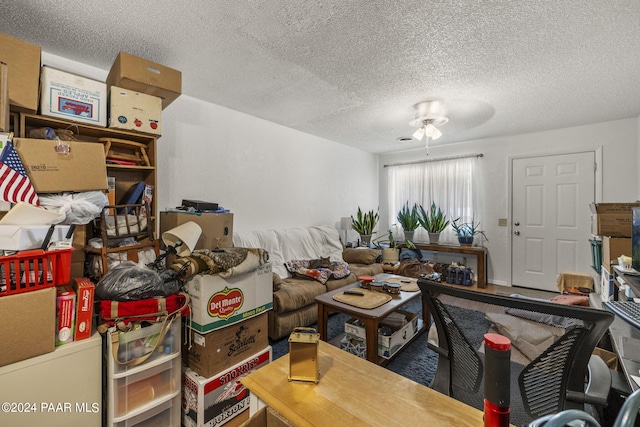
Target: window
{"type": "Point", "coordinates": [451, 183]}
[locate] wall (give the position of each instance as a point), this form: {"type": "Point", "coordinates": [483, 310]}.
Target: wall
{"type": "Point", "coordinates": [268, 175]}
{"type": "Point", "coordinates": [619, 142]}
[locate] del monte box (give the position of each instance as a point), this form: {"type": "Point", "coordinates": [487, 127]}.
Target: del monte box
{"type": "Point", "coordinates": [217, 302]}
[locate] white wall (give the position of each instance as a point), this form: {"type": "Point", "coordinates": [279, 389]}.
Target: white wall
{"type": "Point", "coordinates": [619, 142]}
{"type": "Point", "coordinates": [268, 175]}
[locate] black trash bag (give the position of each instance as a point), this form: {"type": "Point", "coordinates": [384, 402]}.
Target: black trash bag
{"type": "Point", "coordinates": [130, 282]}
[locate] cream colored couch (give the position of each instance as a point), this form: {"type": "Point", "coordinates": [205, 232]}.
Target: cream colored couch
{"type": "Point", "coordinates": [293, 298]}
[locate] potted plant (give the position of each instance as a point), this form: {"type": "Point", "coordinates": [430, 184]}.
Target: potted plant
{"type": "Point", "coordinates": [408, 220]}
{"type": "Point", "coordinates": [466, 231]}
{"type": "Point", "coordinates": [434, 221]}
{"type": "Point", "coordinates": [364, 223]}
{"type": "Point", "coordinates": [390, 247]}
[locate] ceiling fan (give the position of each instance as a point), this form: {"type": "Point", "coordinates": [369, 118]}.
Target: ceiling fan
{"type": "Point", "coordinates": [428, 123]}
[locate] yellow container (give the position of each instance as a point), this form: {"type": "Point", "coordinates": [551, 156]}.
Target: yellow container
{"type": "Point", "coordinates": [303, 355]}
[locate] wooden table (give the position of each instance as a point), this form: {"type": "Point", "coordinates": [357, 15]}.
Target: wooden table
{"type": "Point", "coordinates": [352, 392]}
{"type": "Point", "coordinates": [479, 252]}
{"type": "Point", "coordinates": [370, 317]}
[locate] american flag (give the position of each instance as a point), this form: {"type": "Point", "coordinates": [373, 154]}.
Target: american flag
{"type": "Point", "coordinates": [14, 183]}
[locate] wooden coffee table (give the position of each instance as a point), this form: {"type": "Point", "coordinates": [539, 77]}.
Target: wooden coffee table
{"type": "Point", "coordinates": [370, 317]}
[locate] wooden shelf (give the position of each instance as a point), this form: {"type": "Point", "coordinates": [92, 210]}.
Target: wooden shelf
{"type": "Point", "coordinates": [126, 175]}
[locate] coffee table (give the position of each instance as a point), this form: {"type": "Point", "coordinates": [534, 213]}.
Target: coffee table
{"type": "Point", "coordinates": [370, 317]}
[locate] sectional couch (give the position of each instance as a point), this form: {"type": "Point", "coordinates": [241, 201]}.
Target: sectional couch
{"type": "Point", "coordinates": [293, 294]}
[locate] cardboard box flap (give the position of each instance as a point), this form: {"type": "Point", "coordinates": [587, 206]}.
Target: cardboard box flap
{"type": "Point", "coordinates": [82, 169]}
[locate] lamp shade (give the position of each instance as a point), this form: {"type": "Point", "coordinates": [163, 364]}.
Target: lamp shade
{"type": "Point", "coordinates": [183, 238]}
{"type": "Point", "coordinates": [345, 223]}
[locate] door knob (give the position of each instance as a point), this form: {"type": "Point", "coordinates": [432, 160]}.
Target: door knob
{"type": "Point", "coordinates": [517, 233]}
{"type": "Point", "coordinates": [517, 223]}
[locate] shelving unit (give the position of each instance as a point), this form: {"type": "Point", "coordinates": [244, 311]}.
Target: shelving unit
{"type": "Point", "coordinates": [148, 394]}
{"type": "Point", "coordinates": [126, 175]}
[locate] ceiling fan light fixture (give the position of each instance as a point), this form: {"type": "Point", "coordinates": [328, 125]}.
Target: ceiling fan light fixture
{"type": "Point", "coordinates": [418, 134]}
{"type": "Point", "coordinates": [432, 132]}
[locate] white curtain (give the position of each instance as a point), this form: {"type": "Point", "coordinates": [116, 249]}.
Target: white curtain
{"type": "Point", "coordinates": [452, 184]}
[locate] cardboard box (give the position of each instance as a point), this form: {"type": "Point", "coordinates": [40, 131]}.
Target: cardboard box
{"type": "Point", "coordinates": [28, 325]}
{"type": "Point", "coordinates": [214, 401]}
{"type": "Point", "coordinates": [611, 219]}
{"type": "Point", "coordinates": [217, 302]}
{"type": "Point", "coordinates": [387, 345]}
{"type": "Point", "coordinates": [71, 97]}
{"type": "Point", "coordinates": [23, 59]}
{"type": "Point", "coordinates": [25, 237]}
{"type": "Point", "coordinates": [133, 110]}
{"type": "Point", "coordinates": [612, 248]}
{"type": "Point", "coordinates": [220, 349]}
{"type": "Point", "coordinates": [141, 75]}
{"type": "Point", "coordinates": [217, 228]}
{"type": "Point", "coordinates": [85, 290]}
{"type": "Point", "coordinates": [65, 314]}
{"type": "Point", "coordinates": [77, 270]}
{"type": "Point", "coordinates": [4, 98]}
{"type": "Point", "coordinates": [78, 242]}
{"type": "Point", "coordinates": [83, 169]}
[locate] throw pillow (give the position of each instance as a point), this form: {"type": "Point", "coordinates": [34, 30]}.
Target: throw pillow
{"type": "Point", "coordinates": [360, 255]}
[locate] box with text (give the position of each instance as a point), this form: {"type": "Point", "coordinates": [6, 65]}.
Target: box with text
{"type": "Point", "coordinates": [217, 302]}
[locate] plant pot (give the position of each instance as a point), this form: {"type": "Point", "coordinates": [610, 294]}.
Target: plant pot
{"type": "Point", "coordinates": [408, 235]}
{"type": "Point", "coordinates": [465, 240]}
{"type": "Point", "coordinates": [365, 240]}
{"type": "Point", "coordinates": [434, 238]}
{"type": "Point", "coordinates": [390, 255]}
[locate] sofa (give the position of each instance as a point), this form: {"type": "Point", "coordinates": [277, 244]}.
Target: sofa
{"type": "Point", "coordinates": [294, 294]}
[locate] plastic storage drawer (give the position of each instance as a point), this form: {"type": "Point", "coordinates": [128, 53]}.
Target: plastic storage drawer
{"type": "Point", "coordinates": [134, 391]}
{"type": "Point", "coordinates": [139, 342]}
{"type": "Point", "coordinates": [166, 414]}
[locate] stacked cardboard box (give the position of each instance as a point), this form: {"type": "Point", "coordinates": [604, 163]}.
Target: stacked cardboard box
{"type": "Point", "coordinates": [23, 66]}
{"type": "Point", "coordinates": [228, 328]}
{"type": "Point", "coordinates": [221, 398]}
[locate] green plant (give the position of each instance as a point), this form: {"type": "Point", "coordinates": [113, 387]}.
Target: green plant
{"type": "Point", "coordinates": [434, 221]}
{"type": "Point", "coordinates": [391, 241]}
{"type": "Point", "coordinates": [408, 218]}
{"type": "Point", "coordinates": [467, 229]}
{"type": "Point", "coordinates": [364, 222]}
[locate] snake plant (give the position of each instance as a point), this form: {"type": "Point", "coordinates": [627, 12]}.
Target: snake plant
{"type": "Point", "coordinates": [434, 221]}
{"type": "Point", "coordinates": [365, 222]}
{"type": "Point", "coordinates": [408, 218]}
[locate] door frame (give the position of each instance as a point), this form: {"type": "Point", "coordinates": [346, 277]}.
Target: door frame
{"type": "Point", "coordinates": [598, 193]}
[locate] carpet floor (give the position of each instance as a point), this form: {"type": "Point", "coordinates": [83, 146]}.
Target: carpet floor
{"type": "Point", "coordinates": [415, 361]}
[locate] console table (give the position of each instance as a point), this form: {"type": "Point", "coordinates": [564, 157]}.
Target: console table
{"type": "Point", "coordinates": [479, 252]}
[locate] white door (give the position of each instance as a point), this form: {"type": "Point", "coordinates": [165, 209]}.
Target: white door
{"type": "Point", "coordinates": [551, 220]}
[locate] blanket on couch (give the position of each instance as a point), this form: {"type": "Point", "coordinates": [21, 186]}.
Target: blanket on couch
{"type": "Point", "coordinates": [300, 268]}
{"type": "Point", "coordinates": [225, 262]}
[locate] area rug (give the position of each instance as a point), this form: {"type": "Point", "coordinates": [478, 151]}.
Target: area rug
{"type": "Point", "coordinates": [415, 361]}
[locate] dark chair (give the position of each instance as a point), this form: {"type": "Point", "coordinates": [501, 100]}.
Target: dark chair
{"type": "Point", "coordinates": [552, 346]}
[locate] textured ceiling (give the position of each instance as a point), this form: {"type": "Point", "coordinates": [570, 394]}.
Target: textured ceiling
{"type": "Point", "coordinates": [352, 70]}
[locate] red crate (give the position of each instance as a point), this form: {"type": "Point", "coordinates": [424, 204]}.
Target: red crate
{"type": "Point", "coordinates": [33, 270]}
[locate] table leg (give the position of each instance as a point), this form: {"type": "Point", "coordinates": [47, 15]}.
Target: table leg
{"type": "Point", "coordinates": [323, 319]}
{"type": "Point", "coordinates": [371, 334]}
{"type": "Point", "coordinates": [482, 274]}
